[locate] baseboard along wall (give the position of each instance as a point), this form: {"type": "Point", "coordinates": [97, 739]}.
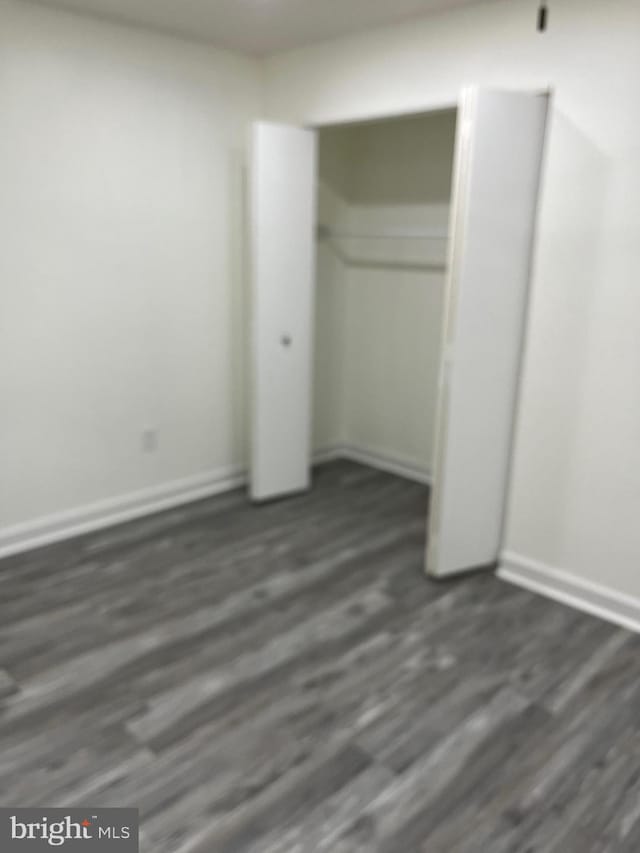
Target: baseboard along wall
{"type": "Point", "coordinates": [568, 588]}
{"type": "Point", "coordinates": [101, 514]}
{"type": "Point", "coordinates": [96, 516]}
{"type": "Point", "coordinates": [562, 586]}
{"type": "Point", "coordinates": [374, 458]}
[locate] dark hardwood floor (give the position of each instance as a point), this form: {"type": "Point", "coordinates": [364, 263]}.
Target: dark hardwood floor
{"type": "Point", "coordinates": [284, 679]}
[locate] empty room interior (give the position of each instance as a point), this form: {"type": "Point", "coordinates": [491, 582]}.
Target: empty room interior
{"type": "Point", "coordinates": [320, 430]}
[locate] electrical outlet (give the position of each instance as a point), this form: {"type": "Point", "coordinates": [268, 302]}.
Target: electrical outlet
{"type": "Point", "coordinates": [150, 440]}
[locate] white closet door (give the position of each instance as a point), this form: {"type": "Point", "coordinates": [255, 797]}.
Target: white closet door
{"type": "Point", "coordinates": [499, 145]}
{"type": "Point", "coordinates": [282, 212]}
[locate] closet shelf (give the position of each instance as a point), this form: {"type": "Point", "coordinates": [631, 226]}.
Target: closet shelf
{"type": "Point", "coordinates": [325, 232]}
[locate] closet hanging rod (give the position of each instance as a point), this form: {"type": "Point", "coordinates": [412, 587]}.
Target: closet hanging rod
{"type": "Point", "coordinates": [388, 234]}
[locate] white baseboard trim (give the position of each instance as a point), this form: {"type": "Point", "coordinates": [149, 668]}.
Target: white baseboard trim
{"type": "Point", "coordinates": [95, 516]}
{"type": "Point", "coordinates": [375, 459]}
{"type": "Point", "coordinates": [590, 597]}
{"type": "Point", "coordinates": [326, 454]}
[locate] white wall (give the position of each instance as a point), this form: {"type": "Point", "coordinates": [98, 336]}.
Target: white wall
{"type": "Point", "coordinates": [121, 271]}
{"type": "Point", "coordinates": [575, 497]}
{"type": "Point", "coordinates": [380, 301]}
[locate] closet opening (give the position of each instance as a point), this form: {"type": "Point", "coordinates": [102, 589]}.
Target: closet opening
{"type": "Point", "coordinates": [383, 211]}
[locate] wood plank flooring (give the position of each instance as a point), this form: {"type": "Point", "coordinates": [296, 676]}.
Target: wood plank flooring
{"type": "Point", "coordinates": [284, 679]}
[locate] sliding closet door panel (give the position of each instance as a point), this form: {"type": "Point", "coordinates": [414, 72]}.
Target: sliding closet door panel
{"type": "Point", "coordinates": [282, 207]}
{"type": "Point", "coordinates": [499, 153]}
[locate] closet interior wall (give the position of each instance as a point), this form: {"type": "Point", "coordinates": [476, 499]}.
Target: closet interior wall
{"type": "Point", "coordinates": [379, 297]}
